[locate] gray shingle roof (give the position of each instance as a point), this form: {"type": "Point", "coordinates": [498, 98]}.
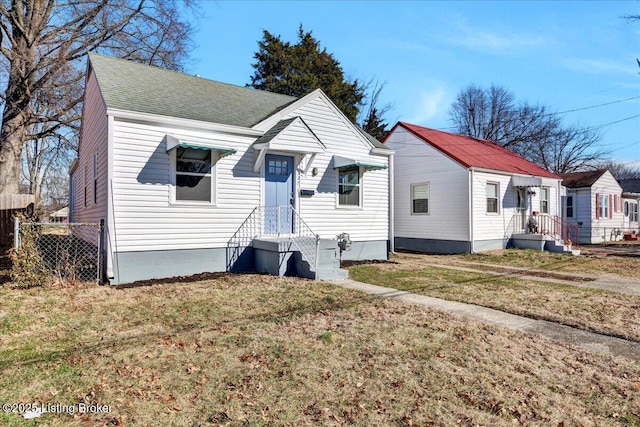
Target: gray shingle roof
{"type": "Point", "coordinates": [630, 185]}
{"type": "Point", "coordinates": [130, 86]}
{"type": "Point", "coordinates": [274, 131]}
{"type": "Point", "coordinates": [581, 179]}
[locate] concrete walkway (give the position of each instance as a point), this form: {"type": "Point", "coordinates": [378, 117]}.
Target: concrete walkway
{"type": "Point", "coordinates": [588, 341]}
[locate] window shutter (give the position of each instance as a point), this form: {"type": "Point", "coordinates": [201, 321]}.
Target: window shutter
{"type": "Point", "coordinates": [597, 206]}
{"type": "Point", "coordinates": [610, 207]}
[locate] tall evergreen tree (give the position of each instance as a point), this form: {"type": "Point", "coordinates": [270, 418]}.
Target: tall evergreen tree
{"type": "Point", "coordinates": [298, 69]}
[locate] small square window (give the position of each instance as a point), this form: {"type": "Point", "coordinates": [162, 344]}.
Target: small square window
{"type": "Point", "coordinates": [420, 198]}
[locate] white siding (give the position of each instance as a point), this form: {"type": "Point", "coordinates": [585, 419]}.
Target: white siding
{"type": "Point", "coordinates": [416, 162]}
{"type": "Point", "coordinates": [583, 212]}
{"type": "Point", "coordinates": [146, 219]}
{"type": "Point", "coordinates": [490, 226]}
{"type": "Point", "coordinates": [296, 136]}
{"type": "Point", "coordinates": [370, 221]}
{"type": "Point", "coordinates": [603, 229]}
{"type": "Point", "coordinates": [93, 140]}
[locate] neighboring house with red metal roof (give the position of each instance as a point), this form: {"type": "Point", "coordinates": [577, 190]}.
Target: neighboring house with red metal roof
{"type": "Point", "coordinates": [456, 194]}
{"type": "Point", "coordinates": [594, 203]}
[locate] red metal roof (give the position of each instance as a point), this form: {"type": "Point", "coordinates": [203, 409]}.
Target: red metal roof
{"type": "Point", "coordinates": [478, 153]}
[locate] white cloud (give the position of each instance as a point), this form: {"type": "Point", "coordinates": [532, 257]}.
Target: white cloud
{"type": "Point", "coordinates": [431, 106]}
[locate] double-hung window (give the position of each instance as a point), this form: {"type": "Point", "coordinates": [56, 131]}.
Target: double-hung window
{"type": "Point", "coordinates": [569, 206]}
{"type": "Point", "coordinates": [544, 200]}
{"type": "Point", "coordinates": [420, 198]}
{"type": "Point", "coordinates": [349, 187]}
{"type": "Point", "coordinates": [603, 206]}
{"type": "Point", "coordinates": [194, 178]}
{"type": "Point", "coordinates": [493, 189]}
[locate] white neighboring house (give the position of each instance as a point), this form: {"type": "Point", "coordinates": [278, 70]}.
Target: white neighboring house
{"type": "Point", "coordinates": [594, 203]}
{"type": "Point", "coordinates": [455, 194]}
{"type": "Point", "coordinates": [631, 204]}
{"type": "Point", "coordinates": [192, 175]}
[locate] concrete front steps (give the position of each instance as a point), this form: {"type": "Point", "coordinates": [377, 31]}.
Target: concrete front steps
{"type": "Point", "coordinates": [281, 256]}
{"type": "Point", "coordinates": [542, 242]}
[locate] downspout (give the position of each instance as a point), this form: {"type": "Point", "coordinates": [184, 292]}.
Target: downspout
{"type": "Point", "coordinates": [112, 247]}
{"type": "Point", "coordinates": [471, 177]}
{"type": "Point", "coordinates": [392, 233]}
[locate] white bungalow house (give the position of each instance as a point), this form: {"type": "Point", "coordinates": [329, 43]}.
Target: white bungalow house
{"type": "Point", "coordinates": [455, 194]}
{"type": "Point", "coordinates": [630, 205]}
{"type": "Point", "coordinates": [594, 204]}
{"type": "Point", "coordinates": [192, 175]}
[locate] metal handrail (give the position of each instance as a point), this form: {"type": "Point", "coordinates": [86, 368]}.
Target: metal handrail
{"type": "Point", "coordinates": [550, 225]}
{"type": "Point", "coordinates": [268, 221]}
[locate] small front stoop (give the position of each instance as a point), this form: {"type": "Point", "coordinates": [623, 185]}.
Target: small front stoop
{"type": "Point", "coordinates": [280, 256]}
{"type": "Point", "coordinates": [553, 245]}
{"type": "Point", "coordinates": [328, 263]}
{"type": "Point", "coordinates": [541, 242]}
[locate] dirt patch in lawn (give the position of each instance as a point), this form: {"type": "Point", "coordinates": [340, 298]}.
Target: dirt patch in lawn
{"type": "Point", "coordinates": [261, 350]}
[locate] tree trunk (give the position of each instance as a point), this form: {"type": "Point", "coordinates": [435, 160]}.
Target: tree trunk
{"type": "Point", "coordinates": [11, 137]}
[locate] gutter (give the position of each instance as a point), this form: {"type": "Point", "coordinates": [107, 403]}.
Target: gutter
{"type": "Point", "coordinates": [180, 122]}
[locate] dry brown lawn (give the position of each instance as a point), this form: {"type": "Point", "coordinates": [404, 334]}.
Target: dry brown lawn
{"type": "Point", "coordinates": [589, 264]}
{"type": "Point", "coordinates": [258, 350]}
{"type": "Point", "coordinates": [593, 310]}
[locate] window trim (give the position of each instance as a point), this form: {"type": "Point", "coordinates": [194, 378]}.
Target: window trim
{"type": "Point", "coordinates": [566, 211]}
{"type": "Point", "coordinates": [497, 198]}
{"type": "Point", "coordinates": [543, 209]}
{"type": "Point", "coordinates": [603, 206]}
{"type": "Point", "coordinates": [173, 173]}
{"type": "Point", "coordinates": [412, 198]}
{"type": "Point", "coordinates": [359, 186]}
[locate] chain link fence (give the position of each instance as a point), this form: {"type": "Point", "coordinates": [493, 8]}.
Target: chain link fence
{"type": "Point", "coordinates": [67, 252]}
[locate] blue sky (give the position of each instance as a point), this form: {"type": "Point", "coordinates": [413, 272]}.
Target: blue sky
{"type": "Point", "coordinates": [564, 55]}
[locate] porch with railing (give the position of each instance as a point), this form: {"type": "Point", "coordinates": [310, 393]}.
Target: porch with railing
{"type": "Point", "coordinates": [547, 227]}
{"type": "Point", "coordinates": [281, 224]}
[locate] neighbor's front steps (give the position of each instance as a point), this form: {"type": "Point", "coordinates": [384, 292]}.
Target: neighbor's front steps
{"type": "Point", "coordinates": [588, 341]}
